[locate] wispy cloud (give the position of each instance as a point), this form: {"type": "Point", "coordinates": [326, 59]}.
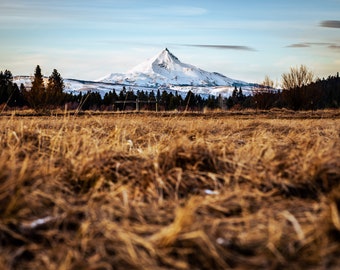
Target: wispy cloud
{"type": "Point", "coordinates": [221, 47]}
{"type": "Point", "coordinates": [334, 47]}
{"type": "Point", "coordinates": [330, 24]}
{"type": "Point", "coordinates": [331, 46]}
{"type": "Point", "coordinates": [309, 44]}
{"type": "Point", "coordinates": [298, 45]}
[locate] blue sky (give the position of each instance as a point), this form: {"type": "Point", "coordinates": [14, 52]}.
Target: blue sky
{"type": "Point", "coordinates": [241, 39]}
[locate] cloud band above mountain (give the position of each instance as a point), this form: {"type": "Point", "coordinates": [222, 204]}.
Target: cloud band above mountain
{"type": "Point", "coordinates": [298, 45]}
{"type": "Point", "coordinates": [312, 44]}
{"type": "Point", "coordinates": [330, 24]}
{"type": "Point", "coordinates": [221, 47]}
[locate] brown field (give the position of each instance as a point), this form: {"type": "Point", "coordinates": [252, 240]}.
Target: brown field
{"type": "Point", "coordinates": [239, 190]}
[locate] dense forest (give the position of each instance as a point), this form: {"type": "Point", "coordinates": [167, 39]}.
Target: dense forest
{"type": "Point", "coordinates": [318, 94]}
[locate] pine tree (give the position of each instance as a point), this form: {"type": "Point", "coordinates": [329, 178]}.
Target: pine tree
{"type": "Point", "coordinates": [152, 96]}
{"type": "Point", "coordinates": [234, 95]}
{"type": "Point", "coordinates": [122, 94]}
{"type": "Point", "coordinates": [8, 76]}
{"type": "Point", "coordinates": [55, 88]}
{"type": "Point", "coordinates": [164, 100]}
{"type": "Point", "coordinates": [3, 88]}
{"type": "Point", "coordinates": [189, 100]}
{"type": "Point", "coordinates": [37, 95]}
{"type": "Point", "coordinates": [142, 96]}
{"type": "Point", "coordinates": [240, 95]}
{"type": "Point", "coordinates": [6, 86]}
{"type": "Point", "coordinates": [158, 95]}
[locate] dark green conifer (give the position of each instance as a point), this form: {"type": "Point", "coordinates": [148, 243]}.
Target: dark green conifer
{"type": "Point", "coordinates": [55, 88]}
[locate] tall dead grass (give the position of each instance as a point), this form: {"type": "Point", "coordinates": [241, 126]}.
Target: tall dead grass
{"type": "Point", "coordinates": [169, 192]}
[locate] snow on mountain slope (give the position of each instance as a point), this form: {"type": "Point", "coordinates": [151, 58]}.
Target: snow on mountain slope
{"type": "Point", "coordinates": [165, 69]}
{"type": "Point", "coordinates": [161, 72]}
{"type": "Point", "coordinates": [75, 87]}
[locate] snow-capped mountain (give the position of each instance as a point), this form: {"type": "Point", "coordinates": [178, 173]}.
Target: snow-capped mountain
{"type": "Point", "coordinates": [165, 69]}
{"type": "Point", "coordinates": [161, 72]}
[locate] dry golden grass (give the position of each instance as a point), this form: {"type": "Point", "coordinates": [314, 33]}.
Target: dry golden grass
{"type": "Point", "coordinates": [170, 191]}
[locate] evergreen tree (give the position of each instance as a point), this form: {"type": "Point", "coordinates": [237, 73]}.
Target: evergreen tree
{"type": "Point", "coordinates": [179, 100]}
{"type": "Point", "coordinates": [130, 95]}
{"type": "Point", "coordinates": [199, 102]}
{"type": "Point", "coordinates": [6, 84]}
{"type": "Point", "coordinates": [152, 96]}
{"type": "Point", "coordinates": [15, 98]}
{"type": "Point", "coordinates": [3, 88]}
{"type": "Point", "coordinates": [240, 95]}
{"type": "Point", "coordinates": [158, 96]}
{"type": "Point", "coordinates": [190, 100]}
{"type": "Point", "coordinates": [164, 100]}
{"type": "Point", "coordinates": [142, 96]}
{"type": "Point", "coordinates": [122, 94]}
{"type": "Point", "coordinates": [37, 95]}
{"type": "Point", "coordinates": [175, 101]}
{"type": "Point", "coordinates": [92, 101]}
{"type": "Point", "coordinates": [172, 102]}
{"type": "Point", "coordinates": [114, 95]}
{"type": "Point", "coordinates": [55, 89]}
{"type": "Point", "coordinates": [10, 95]}
{"type": "Point", "coordinates": [212, 102]}
{"type": "Point", "coordinates": [234, 94]}
{"type": "Point", "coordinates": [21, 98]}
{"type": "Point", "coordinates": [110, 98]}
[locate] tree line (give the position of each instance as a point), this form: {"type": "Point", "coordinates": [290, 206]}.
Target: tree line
{"type": "Point", "coordinates": [299, 92]}
{"type": "Point", "coordinates": [45, 95]}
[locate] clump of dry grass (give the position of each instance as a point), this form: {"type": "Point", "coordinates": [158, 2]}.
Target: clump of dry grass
{"type": "Point", "coordinates": [174, 191]}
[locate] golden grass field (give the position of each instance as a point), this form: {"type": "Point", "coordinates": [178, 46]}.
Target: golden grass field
{"type": "Point", "coordinates": [239, 190]}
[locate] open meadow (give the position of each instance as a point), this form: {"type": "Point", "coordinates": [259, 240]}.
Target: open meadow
{"type": "Point", "coordinates": [239, 190]}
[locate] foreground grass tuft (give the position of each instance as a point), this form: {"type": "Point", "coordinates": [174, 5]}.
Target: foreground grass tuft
{"type": "Point", "coordinates": [177, 191]}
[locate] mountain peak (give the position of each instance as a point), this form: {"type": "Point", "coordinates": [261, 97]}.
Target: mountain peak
{"type": "Point", "coordinates": [166, 69]}
{"type": "Point", "coordinates": [170, 54]}
{"type": "Point", "coordinates": [163, 61]}
{"type": "Point", "coordinates": [166, 57]}
{"type": "Point", "coordinates": [166, 51]}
